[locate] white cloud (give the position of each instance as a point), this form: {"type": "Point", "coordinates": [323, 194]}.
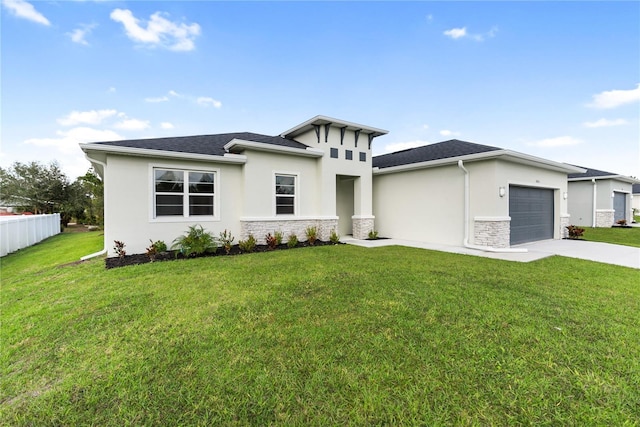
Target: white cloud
{"type": "Point", "coordinates": [157, 99]}
{"type": "Point", "coordinates": [159, 31]}
{"type": "Point", "coordinates": [93, 117]}
{"type": "Point", "coordinates": [174, 93]}
{"type": "Point", "coordinates": [398, 146]}
{"type": "Point", "coordinates": [456, 33]}
{"type": "Point", "coordinates": [429, 18]}
{"type": "Point", "coordinates": [615, 98]}
{"type": "Point", "coordinates": [78, 35]}
{"type": "Point", "coordinates": [425, 126]}
{"type": "Point", "coordinates": [166, 125]}
{"type": "Point", "coordinates": [605, 123]}
{"type": "Point", "coordinates": [560, 141]}
{"type": "Point", "coordinates": [205, 101]}
{"type": "Point", "coordinates": [132, 124]}
{"type": "Point", "coordinates": [446, 132]}
{"type": "Point", "coordinates": [111, 89]}
{"type": "Point", "coordinates": [23, 9]}
{"type": "Point", "coordinates": [67, 141]}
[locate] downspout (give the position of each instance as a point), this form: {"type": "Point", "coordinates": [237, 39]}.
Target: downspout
{"type": "Point", "coordinates": [104, 250]}
{"type": "Point", "coordinates": [466, 221]}
{"type": "Point", "coordinates": [595, 192]}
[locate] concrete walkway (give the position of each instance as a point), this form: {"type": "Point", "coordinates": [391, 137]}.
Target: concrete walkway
{"type": "Point", "coordinates": [593, 251]}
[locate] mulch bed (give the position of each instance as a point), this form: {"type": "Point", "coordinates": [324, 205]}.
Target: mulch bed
{"type": "Point", "coordinates": [114, 262]}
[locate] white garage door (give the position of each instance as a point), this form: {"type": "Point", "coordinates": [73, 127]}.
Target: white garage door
{"type": "Point", "coordinates": [531, 212]}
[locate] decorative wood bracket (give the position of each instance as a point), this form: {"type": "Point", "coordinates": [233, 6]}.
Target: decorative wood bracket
{"type": "Point", "coordinates": [342, 130]}
{"type": "Point", "coordinates": [357, 135]}
{"type": "Point", "coordinates": [317, 128]}
{"type": "Point", "coordinates": [327, 126]}
{"type": "Point", "coordinates": [370, 140]}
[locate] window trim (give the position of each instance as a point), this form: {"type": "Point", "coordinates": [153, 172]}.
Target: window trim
{"type": "Point", "coordinates": [185, 169]}
{"type": "Point", "coordinates": [274, 195]}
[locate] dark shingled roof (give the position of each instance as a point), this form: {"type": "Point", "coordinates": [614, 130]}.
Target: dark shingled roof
{"type": "Point", "coordinates": [202, 144]}
{"type": "Point", "coordinates": [590, 173]}
{"type": "Point", "coordinates": [440, 150]}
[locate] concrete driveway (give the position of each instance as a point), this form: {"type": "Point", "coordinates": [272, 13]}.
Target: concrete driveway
{"type": "Point", "coordinates": [607, 253]}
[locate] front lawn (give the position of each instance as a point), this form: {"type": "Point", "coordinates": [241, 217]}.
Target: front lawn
{"type": "Point", "coordinates": [616, 235]}
{"type": "Point", "coordinates": [333, 335]}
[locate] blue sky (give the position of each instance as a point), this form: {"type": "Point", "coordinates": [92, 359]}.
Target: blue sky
{"type": "Point", "coordinates": [559, 80]}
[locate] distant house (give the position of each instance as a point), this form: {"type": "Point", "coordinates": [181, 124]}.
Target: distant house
{"type": "Point", "coordinates": [600, 199]}
{"type": "Point", "coordinates": [321, 173]}
{"type": "Point", "coordinates": [636, 199]}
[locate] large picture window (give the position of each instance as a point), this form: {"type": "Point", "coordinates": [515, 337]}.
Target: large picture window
{"type": "Point", "coordinates": [184, 193]}
{"type": "Point", "coordinates": [285, 194]}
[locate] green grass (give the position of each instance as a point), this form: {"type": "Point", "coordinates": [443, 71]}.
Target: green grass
{"type": "Point", "coordinates": [333, 335]}
{"type": "Point", "coordinates": [616, 235]}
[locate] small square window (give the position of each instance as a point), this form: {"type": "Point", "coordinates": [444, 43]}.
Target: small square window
{"type": "Point", "coordinates": [334, 153]}
{"type": "Point", "coordinates": [363, 157]}
{"type": "Point", "coordinates": [348, 155]}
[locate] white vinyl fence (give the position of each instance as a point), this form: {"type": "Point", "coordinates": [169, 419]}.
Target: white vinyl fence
{"type": "Point", "coordinates": [20, 231]}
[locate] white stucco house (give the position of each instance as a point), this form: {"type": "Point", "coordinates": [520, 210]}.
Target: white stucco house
{"type": "Point", "coordinates": [321, 173]}
{"type": "Point", "coordinates": [600, 199]}
{"type": "Point", "coordinates": [635, 202]}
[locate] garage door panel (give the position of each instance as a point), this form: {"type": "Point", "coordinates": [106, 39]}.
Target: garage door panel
{"type": "Point", "coordinates": [619, 206]}
{"type": "Point", "coordinates": [531, 212]}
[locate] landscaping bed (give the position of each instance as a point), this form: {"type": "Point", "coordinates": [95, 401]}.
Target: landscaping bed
{"type": "Point", "coordinates": [135, 259]}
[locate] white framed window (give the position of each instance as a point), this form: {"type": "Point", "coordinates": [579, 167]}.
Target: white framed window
{"type": "Point", "coordinates": [285, 194]}
{"type": "Point", "coordinates": [183, 193]}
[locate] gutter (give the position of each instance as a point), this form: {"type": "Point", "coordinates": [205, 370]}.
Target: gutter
{"type": "Point", "coordinates": [104, 250]}
{"type": "Point", "coordinates": [466, 221]}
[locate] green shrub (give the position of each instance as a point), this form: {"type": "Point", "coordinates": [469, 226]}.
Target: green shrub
{"type": "Point", "coordinates": [195, 242]}
{"type": "Point", "coordinates": [278, 236]}
{"type": "Point", "coordinates": [335, 237]}
{"type": "Point", "coordinates": [373, 235]}
{"type": "Point", "coordinates": [247, 245]}
{"type": "Point", "coordinates": [292, 241]}
{"type": "Point", "coordinates": [312, 234]}
{"type": "Point", "coordinates": [226, 240]}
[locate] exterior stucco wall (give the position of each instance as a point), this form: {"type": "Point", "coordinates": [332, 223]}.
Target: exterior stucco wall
{"type": "Point", "coordinates": [258, 183]}
{"type": "Point", "coordinates": [424, 205]}
{"type": "Point", "coordinates": [129, 202]}
{"type": "Point", "coordinates": [580, 202]}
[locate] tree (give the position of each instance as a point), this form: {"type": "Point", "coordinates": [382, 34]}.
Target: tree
{"type": "Point", "coordinates": [34, 187]}
{"type": "Point", "coordinates": [40, 188]}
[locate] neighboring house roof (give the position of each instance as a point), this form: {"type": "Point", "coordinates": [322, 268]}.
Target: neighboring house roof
{"type": "Point", "coordinates": [426, 153]}
{"type": "Point", "coordinates": [453, 151]}
{"type": "Point", "coordinates": [590, 174]}
{"type": "Point", "coordinates": [212, 145]}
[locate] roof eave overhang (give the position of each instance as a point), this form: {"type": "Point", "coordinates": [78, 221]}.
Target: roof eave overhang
{"type": "Point", "coordinates": [323, 120]}
{"type": "Point", "coordinates": [240, 145]}
{"type": "Point", "coordinates": [622, 178]}
{"type": "Point", "coordinates": [88, 148]}
{"type": "Point", "coordinates": [507, 155]}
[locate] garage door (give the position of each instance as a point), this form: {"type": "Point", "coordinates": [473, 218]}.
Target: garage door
{"type": "Point", "coordinates": [619, 206]}
{"type": "Point", "coordinates": [531, 212]}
